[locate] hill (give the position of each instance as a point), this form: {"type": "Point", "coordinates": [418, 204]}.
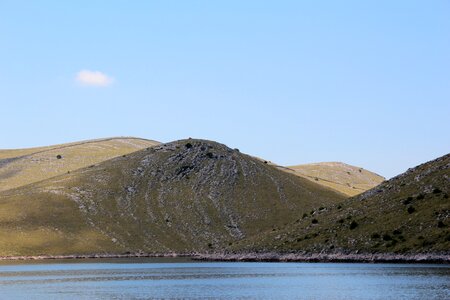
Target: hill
{"type": "Point", "coordinates": [189, 195]}
{"type": "Point", "coordinates": [20, 167]}
{"type": "Point", "coordinates": [346, 179]}
{"type": "Point", "coordinates": [406, 214]}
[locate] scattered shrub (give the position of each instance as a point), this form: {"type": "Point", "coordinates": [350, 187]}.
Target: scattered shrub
{"type": "Point", "coordinates": [209, 155]}
{"type": "Point", "coordinates": [391, 243]}
{"type": "Point", "coordinates": [407, 200]}
{"type": "Point", "coordinates": [437, 191]}
{"type": "Point", "coordinates": [341, 221]}
{"type": "Point", "coordinates": [188, 145]}
{"type": "Point", "coordinates": [411, 209]}
{"type": "Point", "coordinates": [353, 225]}
{"type": "Point", "coordinates": [420, 197]}
{"type": "Point", "coordinates": [59, 156]}
{"type": "Point", "coordinates": [440, 224]}
{"type": "Point", "coordinates": [404, 249]}
{"type": "Point", "coordinates": [314, 221]}
{"type": "Point", "coordinates": [427, 243]}
{"type": "Point", "coordinates": [387, 237]}
{"type": "Point", "coordinates": [304, 215]}
{"type": "Point", "coordinates": [396, 232]}
{"type": "Point", "coordinates": [375, 235]}
{"type": "Point", "coordinates": [339, 206]}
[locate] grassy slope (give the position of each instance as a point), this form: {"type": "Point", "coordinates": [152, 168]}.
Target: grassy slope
{"type": "Point", "coordinates": [407, 214]}
{"type": "Point", "coordinates": [182, 196]}
{"type": "Point", "coordinates": [346, 179]}
{"type": "Point", "coordinates": [24, 166]}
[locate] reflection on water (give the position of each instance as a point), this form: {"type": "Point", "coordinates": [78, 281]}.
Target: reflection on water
{"type": "Point", "coordinates": [169, 278]}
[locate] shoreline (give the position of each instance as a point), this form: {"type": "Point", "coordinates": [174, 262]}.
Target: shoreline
{"type": "Point", "coordinates": [94, 256]}
{"type": "Point", "coordinates": [432, 258]}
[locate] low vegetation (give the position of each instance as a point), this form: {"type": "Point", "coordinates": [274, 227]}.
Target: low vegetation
{"type": "Point", "coordinates": [407, 214]}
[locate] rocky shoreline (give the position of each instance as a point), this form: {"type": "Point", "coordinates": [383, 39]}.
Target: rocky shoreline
{"type": "Point", "coordinates": [436, 258]}
{"type": "Point", "coordinates": [96, 255]}
{"type": "Point", "coordinates": [327, 257]}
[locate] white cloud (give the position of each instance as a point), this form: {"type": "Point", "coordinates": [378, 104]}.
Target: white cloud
{"type": "Point", "coordinates": [93, 78]}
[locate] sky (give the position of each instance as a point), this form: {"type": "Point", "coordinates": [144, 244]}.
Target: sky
{"type": "Point", "coordinates": [362, 82]}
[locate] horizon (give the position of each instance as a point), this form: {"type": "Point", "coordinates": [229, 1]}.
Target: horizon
{"type": "Point", "coordinates": [364, 83]}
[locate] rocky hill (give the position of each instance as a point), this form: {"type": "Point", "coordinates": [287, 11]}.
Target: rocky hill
{"type": "Point", "coordinates": [406, 214]}
{"type": "Point", "coordinates": [189, 195]}
{"type": "Point", "coordinates": [20, 167]}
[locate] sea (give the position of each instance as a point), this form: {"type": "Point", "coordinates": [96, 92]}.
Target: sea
{"type": "Point", "coordinates": [181, 278]}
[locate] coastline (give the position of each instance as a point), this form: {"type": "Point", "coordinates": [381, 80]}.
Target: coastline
{"type": "Point", "coordinates": [95, 256]}
{"type": "Point", "coordinates": [433, 258]}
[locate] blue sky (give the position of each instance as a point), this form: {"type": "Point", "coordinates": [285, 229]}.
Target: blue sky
{"type": "Point", "coordinates": [363, 82]}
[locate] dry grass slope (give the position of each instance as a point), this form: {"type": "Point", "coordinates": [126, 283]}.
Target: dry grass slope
{"type": "Point", "coordinates": [346, 179]}
{"type": "Point", "coordinates": [190, 195]}
{"type": "Point", "coordinates": [24, 166]}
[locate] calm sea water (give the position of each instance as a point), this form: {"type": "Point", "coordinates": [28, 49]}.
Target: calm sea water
{"type": "Point", "coordinates": [184, 279]}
